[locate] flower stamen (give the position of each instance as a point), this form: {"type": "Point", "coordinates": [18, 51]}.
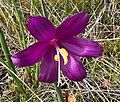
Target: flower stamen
{"type": "Point", "coordinates": [56, 58]}
{"type": "Point", "coordinates": [64, 55]}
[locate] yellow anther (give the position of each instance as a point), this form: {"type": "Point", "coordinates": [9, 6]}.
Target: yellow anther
{"type": "Point", "coordinates": [65, 60]}
{"type": "Point", "coordinates": [56, 58]}
{"type": "Point", "coordinates": [64, 54]}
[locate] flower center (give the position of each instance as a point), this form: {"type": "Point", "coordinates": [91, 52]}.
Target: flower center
{"type": "Point", "coordinates": [53, 41]}
{"type": "Point", "coordinates": [64, 55]}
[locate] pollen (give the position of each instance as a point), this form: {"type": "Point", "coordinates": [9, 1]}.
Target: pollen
{"type": "Point", "coordinates": [56, 58]}
{"type": "Point", "coordinates": [64, 54]}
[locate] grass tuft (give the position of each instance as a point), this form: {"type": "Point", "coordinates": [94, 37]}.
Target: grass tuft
{"type": "Point", "coordinates": [103, 80]}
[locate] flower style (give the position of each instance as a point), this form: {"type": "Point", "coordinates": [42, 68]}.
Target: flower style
{"type": "Point", "coordinates": [58, 48]}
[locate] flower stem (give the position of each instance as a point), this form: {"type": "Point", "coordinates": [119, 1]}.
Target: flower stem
{"type": "Point", "coordinates": [57, 88]}
{"type": "Point", "coordinates": [59, 93]}
{"type": "Point", "coordinates": [37, 67]}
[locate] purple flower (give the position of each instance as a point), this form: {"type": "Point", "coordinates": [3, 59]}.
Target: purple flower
{"type": "Point", "coordinates": [58, 48]}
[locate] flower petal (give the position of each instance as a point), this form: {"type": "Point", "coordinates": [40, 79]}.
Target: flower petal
{"type": "Point", "coordinates": [30, 55]}
{"type": "Point", "coordinates": [73, 25]}
{"type": "Point", "coordinates": [49, 70]}
{"type": "Point", "coordinates": [74, 70]}
{"type": "Point", "coordinates": [41, 28]}
{"type": "Point", "coordinates": [83, 47]}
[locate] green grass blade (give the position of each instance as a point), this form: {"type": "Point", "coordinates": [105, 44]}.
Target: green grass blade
{"type": "Point", "coordinates": [9, 61]}
{"type": "Point", "coordinates": [15, 76]}
{"type": "Point", "coordinates": [6, 50]}
{"type": "Point", "coordinates": [22, 34]}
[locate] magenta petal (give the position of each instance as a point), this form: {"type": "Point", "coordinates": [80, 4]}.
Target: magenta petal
{"type": "Point", "coordinates": [73, 25]}
{"type": "Point", "coordinates": [74, 70]}
{"type": "Point", "coordinates": [49, 70]}
{"type": "Point", "coordinates": [83, 47]}
{"type": "Point", "coordinates": [30, 55]}
{"type": "Point", "coordinates": [41, 28]}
